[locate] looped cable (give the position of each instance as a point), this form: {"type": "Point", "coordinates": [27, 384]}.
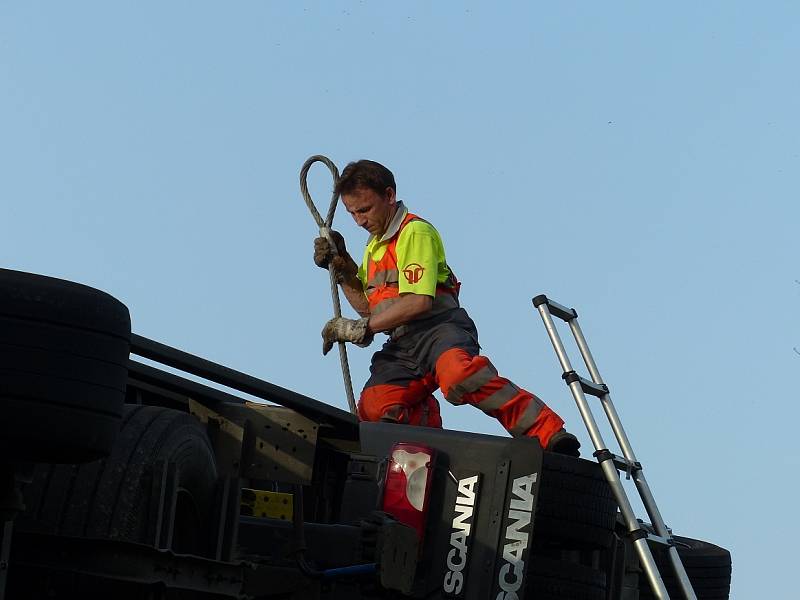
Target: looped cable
{"type": "Point", "coordinates": [325, 231]}
{"type": "Point", "coordinates": [307, 196]}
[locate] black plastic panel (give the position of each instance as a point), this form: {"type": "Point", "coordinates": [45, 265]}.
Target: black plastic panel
{"type": "Point", "coordinates": [497, 462]}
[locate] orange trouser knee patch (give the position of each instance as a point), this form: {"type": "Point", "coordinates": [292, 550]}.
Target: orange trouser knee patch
{"type": "Point", "coordinates": [412, 404]}
{"type": "Point", "coordinates": [455, 365]}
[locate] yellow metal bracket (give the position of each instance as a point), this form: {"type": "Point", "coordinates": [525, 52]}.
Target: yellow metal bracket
{"type": "Point", "coordinates": [267, 505]}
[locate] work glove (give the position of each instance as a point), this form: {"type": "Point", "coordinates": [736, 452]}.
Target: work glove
{"type": "Point", "coordinates": [324, 253]}
{"type": "Point", "coordinates": [340, 329]}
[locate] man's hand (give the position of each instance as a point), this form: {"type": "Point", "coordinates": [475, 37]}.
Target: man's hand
{"type": "Point", "coordinates": [340, 329]}
{"type": "Point", "coordinates": [323, 252]}
{"type": "Point", "coordinates": [344, 269]}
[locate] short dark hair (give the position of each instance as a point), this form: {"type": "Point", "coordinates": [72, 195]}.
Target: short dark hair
{"type": "Point", "coordinates": [365, 173]}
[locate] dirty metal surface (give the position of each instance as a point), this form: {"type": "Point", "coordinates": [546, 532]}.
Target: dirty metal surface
{"type": "Point", "coordinates": [261, 441]}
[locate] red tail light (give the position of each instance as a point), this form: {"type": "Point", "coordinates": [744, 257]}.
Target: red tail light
{"type": "Point", "coordinates": [408, 484]}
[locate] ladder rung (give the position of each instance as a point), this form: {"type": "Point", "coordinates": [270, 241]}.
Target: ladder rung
{"type": "Point", "coordinates": [622, 463]}
{"type": "Point", "coordinates": [660, 540]}
{"type": "Point", "coordinates": [556, 309]}
{"type": "Point", "coordinates": [589, 387]}
{"type": "Point", "coordinates": [643, 532]}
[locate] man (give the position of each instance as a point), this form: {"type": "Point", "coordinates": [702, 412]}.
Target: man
{"type": "Point", "coordinates": [405, 288]}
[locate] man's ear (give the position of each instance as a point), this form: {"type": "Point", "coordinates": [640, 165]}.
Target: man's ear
{"type": "Point", "coordinates": [390, 196]}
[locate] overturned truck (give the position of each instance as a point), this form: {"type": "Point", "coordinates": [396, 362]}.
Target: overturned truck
{"type": "Point", "coordinates": [124, 478]}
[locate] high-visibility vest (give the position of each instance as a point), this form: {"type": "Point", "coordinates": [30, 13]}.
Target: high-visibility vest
{"type": "Point", "coordinates": [383, 277]}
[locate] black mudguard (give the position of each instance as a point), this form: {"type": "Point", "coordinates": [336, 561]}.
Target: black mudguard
{"type": "Point", "coordinates": [481, 512]}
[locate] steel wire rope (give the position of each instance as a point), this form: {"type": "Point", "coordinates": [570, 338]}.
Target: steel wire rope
{"type": "Point", "coordinates": [325, 231]}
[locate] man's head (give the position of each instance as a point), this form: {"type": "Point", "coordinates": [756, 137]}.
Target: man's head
{"type": "Point", "coordinates": [369, 194]}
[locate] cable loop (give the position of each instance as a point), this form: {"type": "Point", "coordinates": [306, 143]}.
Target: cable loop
{"type": "Point", "coordinates": [325, 231]}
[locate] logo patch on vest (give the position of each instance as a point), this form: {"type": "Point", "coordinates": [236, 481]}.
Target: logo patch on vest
{"type": "Point", "coordinates": [413, 272]}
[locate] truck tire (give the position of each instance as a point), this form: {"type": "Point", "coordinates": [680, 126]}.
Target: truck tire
{"type": "Point", "coordinates": [63, 368]}
{"type": "Point", "coordinates": [708, 567]}
{"type": "Point", "coordinates": [576, 505]}
{"type": "Point", "coordinates": [111, 498]}
{"type": "Point", "coordinates": [555, 580]}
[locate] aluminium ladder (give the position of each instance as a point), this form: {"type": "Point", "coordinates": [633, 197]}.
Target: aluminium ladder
{"type": "Point", "coordinates": [611, 464]}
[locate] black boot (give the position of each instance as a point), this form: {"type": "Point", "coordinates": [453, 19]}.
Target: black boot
{"type": "Point", "coordinates": [563, 442]}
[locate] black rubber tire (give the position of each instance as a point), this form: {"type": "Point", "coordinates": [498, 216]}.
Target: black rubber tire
{"type": "Point", "coordinates": [111, 498]}
{"type": "Point", "coordinates": [708, 567]}
{"type": "Point", "coordinates": [550, 579]}
{"type": "Point", "coordinates": [63, 368]}
{"type": "Point", "coordinates": [575, 505]}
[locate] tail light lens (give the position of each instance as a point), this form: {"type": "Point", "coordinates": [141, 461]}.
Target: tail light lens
{"type": "Point", "coordinates": [408, 484]}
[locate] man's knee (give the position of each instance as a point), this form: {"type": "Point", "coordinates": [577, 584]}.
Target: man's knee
{"type": "Point", "coordinates": [410, 404]}
{"type": "Point", "coordinates": [460, 374]}
{"type": "Point", "coordinates": [384, 403]}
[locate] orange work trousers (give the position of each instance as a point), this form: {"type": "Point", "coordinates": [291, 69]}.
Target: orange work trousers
{"type": "Point", "coordinates": [443, 352]}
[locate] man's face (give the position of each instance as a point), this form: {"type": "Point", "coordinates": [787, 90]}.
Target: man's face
{"type": "Point", "coordinates": [371, 210]}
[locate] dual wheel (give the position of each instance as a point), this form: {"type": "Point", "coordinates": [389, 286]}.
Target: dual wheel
{"type": "Point", "coordinates": [708, 567]}
{"type": "Point", "coordinates": [575, 527]}
{"type": "Point", "coordinates": [64, 351]}
{"type": "Point", "coordinates": [63, 369]}
{"type": "Point", "coordinates": [114, 498]}
{"type": "Point", "coordinates": [575, 520]}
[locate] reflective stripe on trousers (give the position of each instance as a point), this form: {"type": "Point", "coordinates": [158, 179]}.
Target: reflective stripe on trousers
{"type": "Point", "coordinates": [467, 379]}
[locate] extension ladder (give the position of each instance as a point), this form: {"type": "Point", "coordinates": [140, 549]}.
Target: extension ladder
{"type": "Point", "coordinates": [611, 464]}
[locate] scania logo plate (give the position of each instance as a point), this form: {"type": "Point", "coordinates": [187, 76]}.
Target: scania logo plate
{"type": "Point", "coordinates": [519, 518]}
{"type": "Point", "coordinates": [464, 511]}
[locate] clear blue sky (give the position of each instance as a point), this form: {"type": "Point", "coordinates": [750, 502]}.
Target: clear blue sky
{"type": "Point", "coordinates": [636, 161]}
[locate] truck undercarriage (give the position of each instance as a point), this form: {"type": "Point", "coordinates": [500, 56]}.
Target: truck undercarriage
{"type": "Point", "coordinates": [144, 483]}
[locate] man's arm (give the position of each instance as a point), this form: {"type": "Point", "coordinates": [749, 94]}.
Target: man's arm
{"type": "Point", "coordinates": [345, 269]}
{"type": "Point", "coordinates": [351, 284]}
{"type": "Point", "coordinates": [408, 308]}
{"type": "Point", "coordinates": [360, 331]}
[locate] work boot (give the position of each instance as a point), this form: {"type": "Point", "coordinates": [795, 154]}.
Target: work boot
{"type": "Point", "coordinates": [563, 442]}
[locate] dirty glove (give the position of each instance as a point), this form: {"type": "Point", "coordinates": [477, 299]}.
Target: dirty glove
{"type": "Point", "coordinates": [340, 329]}
{"type": "Point", "coordinates": [323, 252]}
